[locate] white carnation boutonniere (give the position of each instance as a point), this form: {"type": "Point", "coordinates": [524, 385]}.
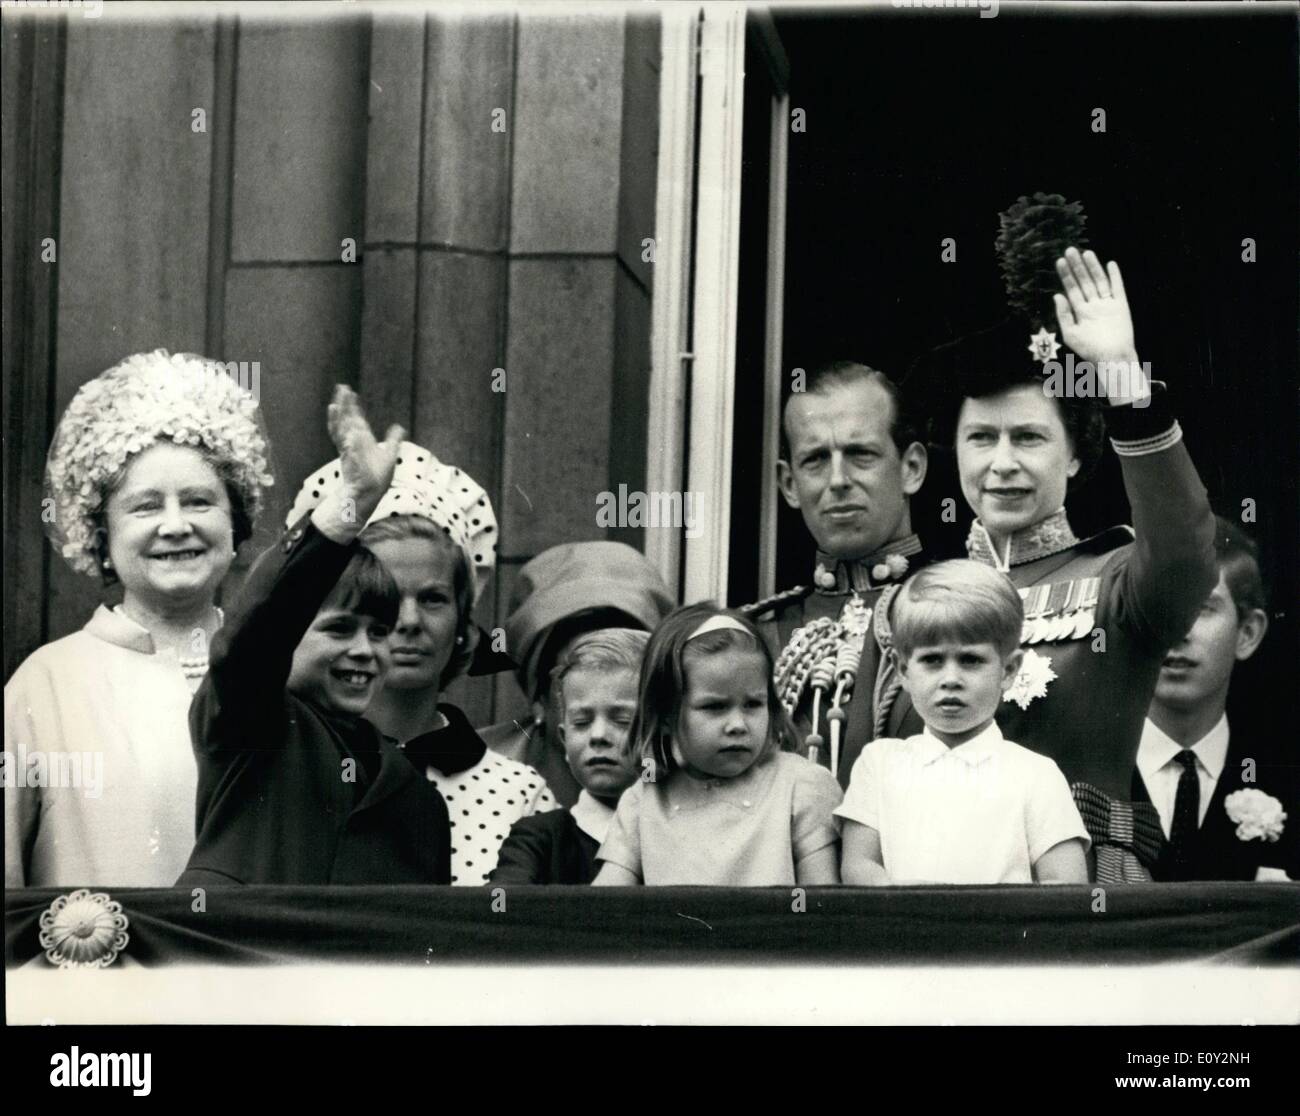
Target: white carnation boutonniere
{"type": "Point", "coordinates": [1257, 815]}
{"type": "Point", "coordinates": [1031, 680]}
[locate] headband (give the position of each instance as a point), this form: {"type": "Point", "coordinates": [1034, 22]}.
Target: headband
{"type": "Point", "coordinates": [719, 622]}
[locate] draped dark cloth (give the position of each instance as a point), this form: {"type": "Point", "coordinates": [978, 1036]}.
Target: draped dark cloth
{"type": "Point", "coordinates": [1248, 923]}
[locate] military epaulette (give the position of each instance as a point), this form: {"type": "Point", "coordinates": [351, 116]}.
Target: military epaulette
{"type": "Point", "coordinates": [769, 604]}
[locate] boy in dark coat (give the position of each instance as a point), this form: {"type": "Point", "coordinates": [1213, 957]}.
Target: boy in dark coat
{"type": "Point", "coordinates": [594, 688]}
{"type": "Point", "coordinates": [295, 787]}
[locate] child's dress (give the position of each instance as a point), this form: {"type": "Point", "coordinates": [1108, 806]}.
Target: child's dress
{"type": "Point", "coordinates": [749, 831]}
{"type": "Point", "coordinates": [291, 793]}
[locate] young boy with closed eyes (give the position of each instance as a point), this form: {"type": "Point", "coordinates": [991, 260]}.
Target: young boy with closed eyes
{"type": "Point", "coordinates": [958, 803]}
{"type": "Point", "coordinates": [594, 689]}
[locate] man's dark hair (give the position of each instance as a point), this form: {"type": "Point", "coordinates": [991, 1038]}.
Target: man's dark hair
{"type": "Point", "coordinates": [903, 430]}
{"type": "Point", "coordinates": [1237, 557]}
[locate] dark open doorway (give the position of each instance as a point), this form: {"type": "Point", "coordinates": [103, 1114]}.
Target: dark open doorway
{"type": "Point", "coordinates": [923, 124]}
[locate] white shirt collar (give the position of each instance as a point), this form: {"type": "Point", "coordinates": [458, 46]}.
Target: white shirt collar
{"type": "Point", "coordinates": [592, 815]}
{"type": "Point", "coordinates": [1157, 748]}
{"type": "Point", "coordinates": [973, 751]}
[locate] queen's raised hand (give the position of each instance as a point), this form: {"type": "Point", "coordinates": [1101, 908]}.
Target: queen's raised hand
{"type": "Point", "coordinates": [1096, 323]}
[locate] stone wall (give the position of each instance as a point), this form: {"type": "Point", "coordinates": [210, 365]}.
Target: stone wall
{"type": "Point", "coordinates": [496, 173]}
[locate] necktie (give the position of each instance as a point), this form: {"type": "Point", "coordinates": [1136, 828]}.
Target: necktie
{"type": "Point", "coordinates": [1187, 809]}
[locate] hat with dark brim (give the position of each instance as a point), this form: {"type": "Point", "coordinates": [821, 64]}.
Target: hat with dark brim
{"type": "Point", "coordinates": [1024, 347]}
{"type": "Point", "coordinates": [488, 660]}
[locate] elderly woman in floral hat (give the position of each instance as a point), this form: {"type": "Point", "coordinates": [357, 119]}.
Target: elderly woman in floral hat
{"type": "Point", "coordinates": [436, 533]}
{"type": "Point", "coordinates": [154, 479]}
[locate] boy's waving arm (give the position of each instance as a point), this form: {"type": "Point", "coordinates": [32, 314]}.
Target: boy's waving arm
{"type": "Point", "coordinates": [251, 657]}
{"type": "Point", "coordinates": [366, 467]}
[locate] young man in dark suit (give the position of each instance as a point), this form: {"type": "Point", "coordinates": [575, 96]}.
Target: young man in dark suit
{"type": "Point", "coordinates": [1192, 768]}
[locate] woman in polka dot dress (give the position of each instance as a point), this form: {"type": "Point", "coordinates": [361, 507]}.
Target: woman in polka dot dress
{"type": "Point", "coordinates": [436, 533]}
{"type": "Point", "coordinates": [484, 799]}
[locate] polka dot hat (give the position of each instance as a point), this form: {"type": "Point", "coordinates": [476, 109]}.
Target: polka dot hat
{"type": "Point", "coordinates": [423, 485]}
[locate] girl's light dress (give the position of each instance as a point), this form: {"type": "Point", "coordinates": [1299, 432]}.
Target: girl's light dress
{"type": "Point", "coordinates": [749, 831]}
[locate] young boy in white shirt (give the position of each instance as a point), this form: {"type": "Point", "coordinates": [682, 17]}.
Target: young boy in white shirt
{"type": "Point", "coordinates": [958, 803]}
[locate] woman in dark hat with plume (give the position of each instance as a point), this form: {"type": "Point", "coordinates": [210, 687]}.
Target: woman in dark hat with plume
{"type": "Point", "coordinates": [1027, 421]}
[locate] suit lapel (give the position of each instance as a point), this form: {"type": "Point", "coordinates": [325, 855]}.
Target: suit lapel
{"type": "Point", "coordinates": [1219, 853]}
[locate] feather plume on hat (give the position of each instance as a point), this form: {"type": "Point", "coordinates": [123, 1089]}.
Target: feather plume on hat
{"type": "Point", "coordinates": [1033, 233]}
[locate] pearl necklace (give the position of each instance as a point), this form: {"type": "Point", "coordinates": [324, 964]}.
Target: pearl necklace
{"type": "Point", "coordinates": [196, 667]}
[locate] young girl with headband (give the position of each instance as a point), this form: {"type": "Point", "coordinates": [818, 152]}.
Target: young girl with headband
{"type": "Point", "coordinates": [719, 801]}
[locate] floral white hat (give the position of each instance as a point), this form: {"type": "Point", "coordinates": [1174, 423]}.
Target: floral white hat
{"type": "Point", "coordinates": [146, 398]}
{"type": "Point", "coordinates": [424, 486]}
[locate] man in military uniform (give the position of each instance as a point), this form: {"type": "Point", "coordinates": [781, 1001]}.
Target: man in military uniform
{"type": "Point", "coordinates": [851, 461]}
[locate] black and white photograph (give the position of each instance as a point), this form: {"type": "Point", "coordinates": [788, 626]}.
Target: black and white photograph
{"type": "Point", "coordinates": [653, 514]}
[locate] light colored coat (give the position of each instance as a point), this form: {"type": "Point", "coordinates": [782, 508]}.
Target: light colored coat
{"type": "Point", "coordinates": [104, 717]}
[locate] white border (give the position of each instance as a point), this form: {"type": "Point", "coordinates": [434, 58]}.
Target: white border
{"type": "Point", "coordinates": [464, 995]}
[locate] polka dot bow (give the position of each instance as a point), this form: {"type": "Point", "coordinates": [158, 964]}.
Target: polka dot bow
{"type": "Point", "coordinates": [423, 485]}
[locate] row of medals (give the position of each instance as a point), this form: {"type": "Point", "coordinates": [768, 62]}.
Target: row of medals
{"type": "Point", "coordinates": [1059, 610]}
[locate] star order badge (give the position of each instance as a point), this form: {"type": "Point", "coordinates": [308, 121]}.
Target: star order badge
{"type": "Point", "coordinates": [1031, 681]}
{"type": "Point", "coordinates": [1044, 346]}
